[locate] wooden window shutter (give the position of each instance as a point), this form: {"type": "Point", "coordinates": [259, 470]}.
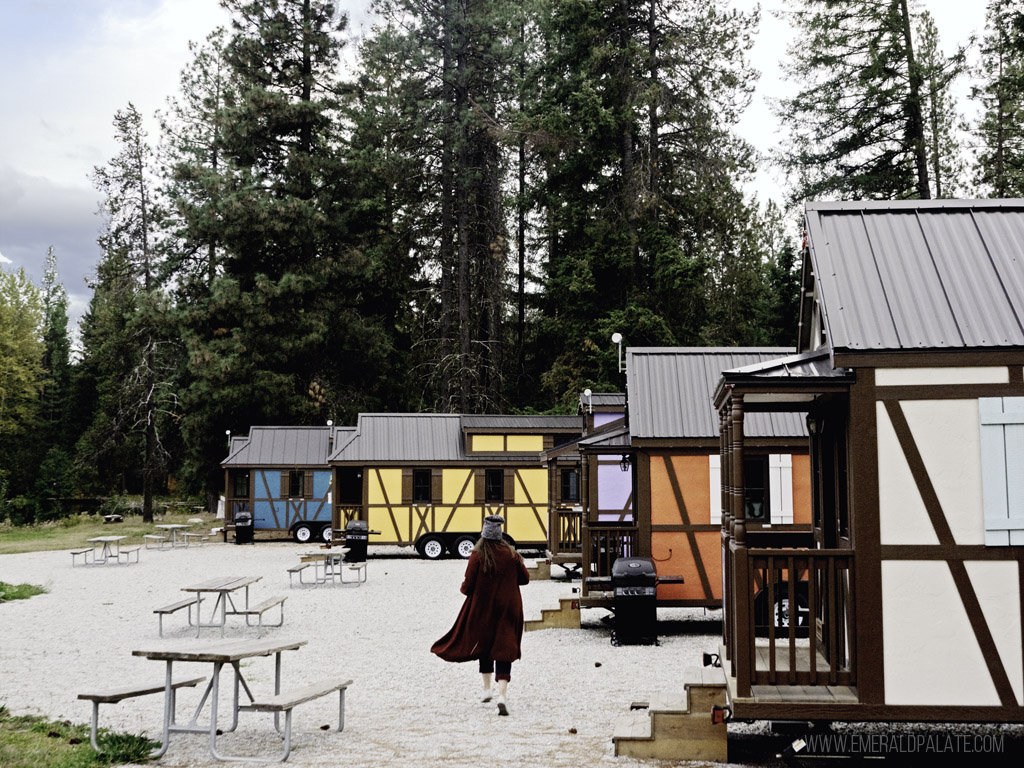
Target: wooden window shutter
{"type": "Point", "coordinates": [479, 487]}
{"type": "Point", "coordinates": [436, 487]}
{"type": "Point", "coordinates": [509, 492]}
{"type": "Point", "coordinates": [307, 484]}
{"type": "Point", "coordinates": [1002, 469]}
{"type": "Point", "coordinates": [407, 486]}
{"type": "Point", "coordinates": [284, 484]}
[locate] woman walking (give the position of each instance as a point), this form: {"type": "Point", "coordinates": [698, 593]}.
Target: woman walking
{"type": "Point", "coordinates": [489, 627]}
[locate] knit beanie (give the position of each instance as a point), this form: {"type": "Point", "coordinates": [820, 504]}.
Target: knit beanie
{"type": "Point", "coordinates": [492, 527]}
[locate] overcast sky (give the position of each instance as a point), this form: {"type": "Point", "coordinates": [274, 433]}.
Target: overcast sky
{"type": "Point", "coordinates": [67, 65]}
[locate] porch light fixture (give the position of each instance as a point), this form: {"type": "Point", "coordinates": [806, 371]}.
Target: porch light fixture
{"type": "Point", "coordinates": [624, 464]}
{"type": "Point", "coordinates": [228, 433]}
{"type": "Point", "coordinates": [617, 340]}
{"type": "Point", "coordinates": [812, 425]}
{"type": "Point", "coordinates": [712, 660]}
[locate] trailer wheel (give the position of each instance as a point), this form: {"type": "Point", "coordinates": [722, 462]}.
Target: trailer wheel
{"type": "Point", "coordinates": [463, 546]}
{"type": "Point", "coordinates": [430, 547]}
{"type": "Point", "coordinates": [302, 533]}
{"type": "Point", "coordinates": [325, 534]}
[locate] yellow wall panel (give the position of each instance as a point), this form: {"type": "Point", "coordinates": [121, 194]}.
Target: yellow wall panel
{"type": "Point", "coordinates": [465, 520]}
{"type": "Point", "coordinates": [522, 524]}
{"type": "Point", "coordinates": [535, 483]}
{"type": "Point", "coordinates": [488, 442]}
{"type": "Point", "coordinates": [380, 520]}
{"type": "Point", "coordinates": [525, 442]}
{"type": "Point", "coordinates": [452, 483]}
{"type": "Point", "coordinates": [391, 490]}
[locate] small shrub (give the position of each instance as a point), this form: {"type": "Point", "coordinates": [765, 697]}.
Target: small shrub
{"type": "Point", "coordinates": [19, 591]}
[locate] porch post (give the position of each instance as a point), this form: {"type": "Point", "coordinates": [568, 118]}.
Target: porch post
{"type": "Point", "coordinates": [726, 496]}
{"type": "Point", "coordinates": [743, 627]}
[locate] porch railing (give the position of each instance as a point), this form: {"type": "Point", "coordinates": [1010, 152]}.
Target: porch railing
{"type": "Point", "coordinates": [798, 617]}
{"type": "Point", "coordinates": [349, 512]}
{"type": "Point", "coordinates": [566, 532]}
{"type": "Point", "coordinates": [607, 543]}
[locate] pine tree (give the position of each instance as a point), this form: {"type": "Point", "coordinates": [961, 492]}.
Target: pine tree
{"type": "Point", "coordinates": [943, 124]}
{"type": "Point", "coordinates": [1000, 156]}
{"type": "Point", "coordinates": [856, 127]}
{"type": "Point", "coordinates": [127, 342]}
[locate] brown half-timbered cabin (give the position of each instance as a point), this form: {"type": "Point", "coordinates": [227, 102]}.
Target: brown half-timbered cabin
{"type": "Point", "coordinates": [673, 430]}
{"type": "Point", "coordinates": [910, 376]}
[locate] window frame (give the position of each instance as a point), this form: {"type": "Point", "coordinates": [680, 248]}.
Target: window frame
{"type": "Point", "coordinates": [490, 483]}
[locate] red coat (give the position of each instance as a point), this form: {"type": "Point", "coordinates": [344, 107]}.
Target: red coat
{"type": "Point", "coordinates": [490, 624]}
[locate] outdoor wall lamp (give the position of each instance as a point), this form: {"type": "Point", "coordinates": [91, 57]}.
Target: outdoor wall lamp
{"type": "Point", "coordinates": [617, 340]}
{"type": "Point", "coordinates": [589, 396]}
{"type": "Point", "coordinates": [624, 464]}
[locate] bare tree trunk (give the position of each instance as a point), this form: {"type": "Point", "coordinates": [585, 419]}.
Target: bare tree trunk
{"type": "Point", "coordinates": [914, 109]}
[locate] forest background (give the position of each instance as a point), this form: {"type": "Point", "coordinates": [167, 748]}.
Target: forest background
{"type": "Point", "coordinates": [461, 220]}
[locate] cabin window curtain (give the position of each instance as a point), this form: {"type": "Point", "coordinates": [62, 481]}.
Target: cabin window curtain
{"type": "Point", "coordinates": [1002, 469]}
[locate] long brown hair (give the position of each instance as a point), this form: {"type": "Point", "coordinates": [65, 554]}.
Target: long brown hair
{"type": "Point", "coordinates": [488, 550]}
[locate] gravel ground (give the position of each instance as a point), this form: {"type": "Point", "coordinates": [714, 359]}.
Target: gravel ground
{"type": "Point", "coordinates": [406, 706]}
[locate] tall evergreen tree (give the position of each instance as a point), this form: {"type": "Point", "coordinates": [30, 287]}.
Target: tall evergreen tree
{"type": "Point", "coordinates": [856, 127]}
{"type": "Point", "coordinates": [1000, 133]}
{"type": "Point", "coordinates": [943, 123]}
{"type": "Point", "coordinates": [131, 347]}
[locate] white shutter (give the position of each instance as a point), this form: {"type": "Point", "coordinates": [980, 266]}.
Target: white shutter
{"type": "Point", "coordinates": [1002, 469]}
{"type": "Point", "coordinates": [780, 484]}
{"type": "Point", "coordinates": [715, 486]}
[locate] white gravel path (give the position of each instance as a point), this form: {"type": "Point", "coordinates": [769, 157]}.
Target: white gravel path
{"type": "Point", "coordinates": [405, 708]}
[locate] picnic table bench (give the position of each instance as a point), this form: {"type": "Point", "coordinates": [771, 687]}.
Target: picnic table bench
{"type": "Point", "coordinates": [188, 602]}
{"type": "Point", "coordinates": [259, 609]}
{"type": "Point", "coordinates": [85, 553]}
{"type": "Point", "coordinates": [114, 695]}
{"type": "Point", "coordinates": [154, 538]}
{"type": "Point", "coordinates": [285, 702]}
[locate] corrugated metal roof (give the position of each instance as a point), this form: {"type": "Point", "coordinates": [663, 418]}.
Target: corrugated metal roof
{"type": "Point", "coordinates": [816, 364]}
{"type": "Point", "coordinates": [528, 421]}
{"type": "Point", "coordinates": [607, 399]}
{"type": "Point", "coordinates": [404, 437]}
{"type": "Point", "coordinates": [928, 274]}
{"type": "Point", "coordinates": [671, 390]}
{"type": "Point", "coordinates": [616, 438]}
{"type": "Point", "coordinates": [282, 446]}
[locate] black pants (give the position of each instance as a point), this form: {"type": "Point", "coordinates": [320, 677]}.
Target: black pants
{"type": "Point", "coordinates": [504, 669]}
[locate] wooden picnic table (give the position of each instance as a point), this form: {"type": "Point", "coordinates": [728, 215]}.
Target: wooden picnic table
{"type": "Point", "coordinates": [217, 653]}
{"type": "Point", "coordinates": [107, 547]}
{"type": "Point", "coordinates": [174, 529]}
{"type": "Point", "coordinates": [222, 587]}
{"type": "Point", "coordinates": [327, 564]}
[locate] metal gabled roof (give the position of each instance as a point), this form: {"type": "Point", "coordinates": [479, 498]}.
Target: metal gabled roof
{"type": "Point", "coordinates": [614, 438]}
{"type": "Point", "coordinates": [919, 275]}
{"type": "Point", "coordinates": [537, 422]}
{"type": "Point", "coordinates": [409, 437]}
{"type": "Point", "coordinates": [281, 447]}
{"type": "Point", "coordinates": [671, 392]}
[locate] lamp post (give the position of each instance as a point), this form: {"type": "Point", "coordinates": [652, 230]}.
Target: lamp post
{"type": "Point", "coordinates": [617, 340]}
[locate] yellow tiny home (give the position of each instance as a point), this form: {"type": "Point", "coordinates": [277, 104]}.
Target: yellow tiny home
{"type": "Point", "coordinates": [429, 480]}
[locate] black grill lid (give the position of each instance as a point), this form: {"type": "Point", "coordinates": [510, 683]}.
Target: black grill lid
{"type": "Point", "coordinates": [634, 570]}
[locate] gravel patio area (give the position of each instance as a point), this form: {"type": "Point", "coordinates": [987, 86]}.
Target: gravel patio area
{"type": "Point", "coordinates": [405, 708]}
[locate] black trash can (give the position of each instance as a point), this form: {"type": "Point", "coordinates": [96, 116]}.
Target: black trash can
{"type": "Point", "coordinates": [243, 528]}
{"type": "Point", "coordinates": [635, 601]}
{"type": "Point", "coordinates": [357, 535]}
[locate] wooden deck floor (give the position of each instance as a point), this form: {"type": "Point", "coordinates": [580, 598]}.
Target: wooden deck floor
{"type": "Point", "coordinates": [780, 694]}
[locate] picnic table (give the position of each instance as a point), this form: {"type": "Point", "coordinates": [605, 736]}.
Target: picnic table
{"type": "Point", "coordinates": [327, 564]}
{"type": "Point", "coordinates": [222, 588]}
{"type": "Point", "coordinates": [232, 652]}
{"type": "Point", "coordinates": [106, 548]}
{"type": "Point", "coordinates": [174, 529]}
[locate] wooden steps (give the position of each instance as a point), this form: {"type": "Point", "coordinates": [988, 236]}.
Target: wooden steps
{"type": "Point", "coordinates": [539, 570]}
{"type": "Point", "coordinates": [677, 726]}
{"type": "Point", "coordinates": [565, 616]}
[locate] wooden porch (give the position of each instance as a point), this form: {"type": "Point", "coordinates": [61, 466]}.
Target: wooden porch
{"type": "Point", "coordinates": [565, 535]}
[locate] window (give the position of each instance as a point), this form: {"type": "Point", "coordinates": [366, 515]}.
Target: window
{"type": "Point", "coordinates": [570, 485]}
{"type": "Point", "coordinates": [241, 486]}
{"type": "Point", "coordinates": [296, 484]}
{"type": "Point", "coordinates": [755, 481]}
{"type": "Point", "coordinates": [350, 486]}
{"type": "Point", "coordinates": [421, 486]}
{"type": "Point", "coordinates": [494, 485]}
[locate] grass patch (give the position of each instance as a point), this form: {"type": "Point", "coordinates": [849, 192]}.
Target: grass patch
{"type": "Point", "coordinates": [18, 592]}
{"type": "Point", "coordinates": [72, 532]}
{"type": "Point", "coordinates": [27, 741]}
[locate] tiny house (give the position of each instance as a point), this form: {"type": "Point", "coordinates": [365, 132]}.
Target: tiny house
{"type": "Point", "coordinates": [652, 486]}
{"type": "Point", "coordinates": [910, 379]}
{"type": "Point", "coordinates": [280, 476]}
{"type": "Point", "coordinates": [429, 480]}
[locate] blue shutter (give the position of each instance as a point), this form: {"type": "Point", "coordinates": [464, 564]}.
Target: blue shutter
{"type": "Point", "coordinates": [1002, 469]}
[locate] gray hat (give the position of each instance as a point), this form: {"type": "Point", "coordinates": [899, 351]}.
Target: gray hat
{"type": "Point", "coordinates": [492, 527]}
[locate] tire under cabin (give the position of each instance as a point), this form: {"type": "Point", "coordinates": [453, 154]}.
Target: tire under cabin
{"type": "Point", "coordinates": [280, 476]}
{"type": "Point", "coordinates": [429, 480]}
{"type": "Point", "coordinates": [651, 478]}
{"type": "Point", "coordinates": [910, 376]}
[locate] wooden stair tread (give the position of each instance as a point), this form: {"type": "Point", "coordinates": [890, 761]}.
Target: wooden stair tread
{"type": "Point", "coordinates": [632, 725]}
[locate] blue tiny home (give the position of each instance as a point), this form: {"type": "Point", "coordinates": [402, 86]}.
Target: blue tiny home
{"type": "Point", "coordinates": [280, 476]}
